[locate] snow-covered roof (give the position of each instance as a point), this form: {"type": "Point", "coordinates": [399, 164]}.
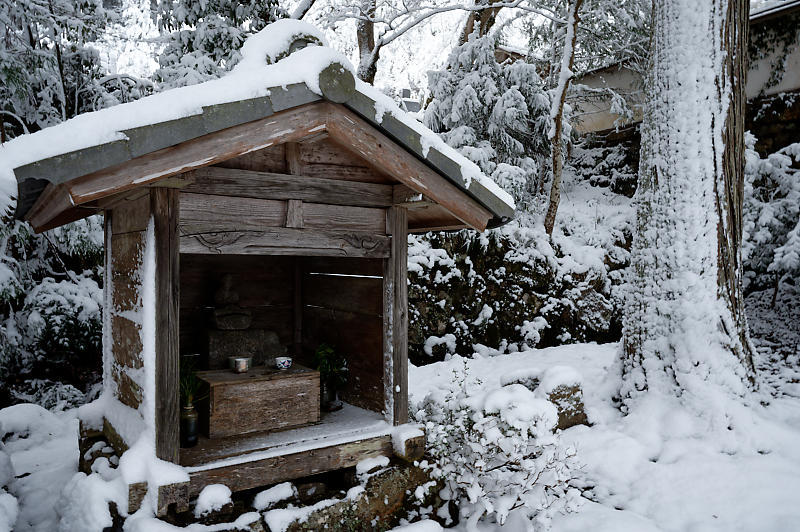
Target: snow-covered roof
{"type": "Point", "coordinates": [285, 65]}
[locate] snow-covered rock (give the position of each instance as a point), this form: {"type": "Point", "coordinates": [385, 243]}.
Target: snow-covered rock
{"type": "Point", "coordinates": [212, 499]}
{"type": "Point", "coordinates": [270, 497]}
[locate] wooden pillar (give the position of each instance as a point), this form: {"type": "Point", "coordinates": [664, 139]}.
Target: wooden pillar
{"type": "Point", "coordinates": [395, 318]}
{"type": "Point", "coordinates": [164, 209]}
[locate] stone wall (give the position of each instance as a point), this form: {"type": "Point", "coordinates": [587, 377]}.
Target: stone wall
{"type": "Point", "coordinates": [774, 120]}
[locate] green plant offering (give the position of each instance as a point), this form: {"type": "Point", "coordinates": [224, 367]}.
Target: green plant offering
{"type": "Point", "coordinates": [189, 383]}
{"type": "Point", "coordinates": [332, 366]}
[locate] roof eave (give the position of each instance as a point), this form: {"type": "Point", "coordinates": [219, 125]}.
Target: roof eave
{"type": "Point", "coordinates": [34, 178]}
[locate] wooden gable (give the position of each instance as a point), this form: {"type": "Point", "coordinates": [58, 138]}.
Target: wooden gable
{"type": "Point", "coordinates": [316, 150]}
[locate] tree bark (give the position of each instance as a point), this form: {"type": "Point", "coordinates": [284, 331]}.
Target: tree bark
{"type": "Point", "coordinates": [684, 327]}
{"type": "Point", "coordinates": [367, 52]}
{"type": "Point", "coordinates": [557, 113]}
{"type": "Point", "coordinates": [485, 19]}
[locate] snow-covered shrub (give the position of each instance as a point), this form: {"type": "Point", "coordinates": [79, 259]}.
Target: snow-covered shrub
{"type": "Point", "coordinates": [771, 246]}
{"type": "Point", "coordinates": [204, 37]}
{"type": "Point", "coordinates": [52, 395]}
{"type": "Point", "coordinates": [511, 289]}
{"type": "Point", "coordinates": [611, 160]}
{"type": "Point", "coordinates": [496, 452]}
{"type": "Point", "coordinates": [50, 70]}
{"type": "Point", "coordinates": [50, 305]}
{"type": "Point", "coordinates": [63, 318]}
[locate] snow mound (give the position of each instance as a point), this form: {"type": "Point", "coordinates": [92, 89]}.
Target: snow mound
{"type": "Point", "coordinates": [25, 421]}
{"type": "Point", "coordinates": [268, 498]}
{"type": "Point", "coordinates": [8, 511]}
{"type": "Point", "coordinates": [519, 407]}
{"type": "Point", "coordinates": [365, 466]}
{"type": "Point", "coordinates": [85, 501]}
{"type": "Point", "coordinates": [525, 375]}
{"type": "Point", "coordinates": [402, 434]}
{"type": "Point", "coordinates": [557, 376]}
{"type": "Point", "coordinates": [212, 498]}
{"type": "Point", "coordinates": [271, 43]}
{"type": "Point", "coordinates": [420, 526]}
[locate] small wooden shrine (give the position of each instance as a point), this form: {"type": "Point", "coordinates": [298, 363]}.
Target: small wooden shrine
{"type": "Point", "coordinates": [264, 226]}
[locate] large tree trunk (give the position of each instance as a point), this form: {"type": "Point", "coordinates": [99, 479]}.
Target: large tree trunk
{"type": "Point", "coordinates": [557, 112]}
{"type": "Point", "coordinates": [367, 51]}
{"type": "Point", "coordinates": [684, 324]}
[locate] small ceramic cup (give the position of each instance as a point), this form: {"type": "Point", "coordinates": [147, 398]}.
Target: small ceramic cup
{"type": "Point", "coordinates": [283, 362]}
{"type": "Point", "coordinates": [240, 364]}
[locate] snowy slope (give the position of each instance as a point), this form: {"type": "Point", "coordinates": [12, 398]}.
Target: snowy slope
{"type": "Point", "coordinates": [657, 471]}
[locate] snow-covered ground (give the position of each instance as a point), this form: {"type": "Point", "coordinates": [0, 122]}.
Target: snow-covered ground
{"type": "Point", "coordinates": [656, 469]}
{"type": "Point", "coordinates": [652, 471]}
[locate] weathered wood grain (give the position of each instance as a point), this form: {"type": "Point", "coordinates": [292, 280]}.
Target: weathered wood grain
{"type": "Point", "coordinates": [288, 467]}
{"type": "Point", "coordinates": [285, 241]}
{"type": "Point", "coordinates": [294, 214]}
{"type": "Point", "coordinates": [208, 213]}
{"type": "Point", "coordinates": [136, 494]}
{"type": "Point", "coordinates": [432, 216]}
{"type": "Point", "coordinates": [202, 213]}
{"type": "Point", "coordinates": [398, 227]}
{"type": "Point", "coordinates": [270, 159]}
{"type": "Point", "coordinates": [413, 449]}
{"type": "Point", "coordinates": [52, 206]}
{"type": "Point", "coordinates": [126, 255]}
{"type": "Point", "coordinates": [292, 124]}
{"type": "Point", "coordinates": [341, 218]}
{"type": "Point", "coordinates": [330, 153]}
{"type": "Point", "coordinates": [176, 495]}
{"type": "Point", "coordinates": [347, 127]}
{"type": "Point", "coordinates": [293, 163]}
{"type": "Point", "coordinates": [173, 494]}
{"type": "Point", "coordinates": [164, 206]}
{"type": "Point", "coordinates": [388, 330]}
{"type": "Point", "coordinates": [131, 214]}
{"type": "Point", "coordinates": [127, 349]}
{"type": "Point", "coordinates": [113, 438]}
{"type": "Point", "coordinates": [265, 185]}
{"type": "Point", "coordinates": [399, 230]}
{"type": "Point", "coordinates": [260, 400]}
{"type": "Point", "coordinates": [129, 392]}
{"type": "Point", "coordinates": [126, 260]}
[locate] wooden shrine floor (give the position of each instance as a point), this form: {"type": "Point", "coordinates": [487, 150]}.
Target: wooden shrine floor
{"type": "Point", "coordinates": [346, 425]}
{"type": "Point", "coordinates": [341, 439]}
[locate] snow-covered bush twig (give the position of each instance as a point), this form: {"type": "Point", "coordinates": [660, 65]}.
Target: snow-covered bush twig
{"type": "Point", "coordinates": [497, 452]}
